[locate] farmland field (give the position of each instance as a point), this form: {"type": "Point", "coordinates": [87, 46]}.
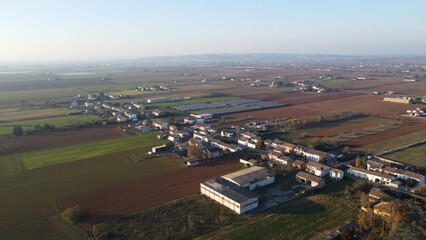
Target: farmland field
{"type": "Point", "coordinates": [389, 138]}
{"type": "Point", "coordinates": [132, 196]}
{"type": "Point", "coordinates": [198, 216]}
{"type": "Point", "coordinates": [414, 155]}
{"type": "Point", "coordinates": [347, 126]}
{"type": "Point", "coordinates": [52, 228]}
{"type": "Point", "coordinates": [77, 152]}
{"type": "Point", "coordinates": [302, 218]}
{"type": "Point", "coordinates": [16, 115]}
{"type": "Point", "coordinates": [33, 194]}
{"type": "Point", "coordinates": [7, 128]}
{"type": "Point", "coordinates": [28, 143]}
{"type": "Point", "coordinates": [18, 96]}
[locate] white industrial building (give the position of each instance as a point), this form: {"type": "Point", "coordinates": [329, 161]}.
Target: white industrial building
{"type": "Point", "coordinates": [251, 178]}
{"type": "Point", "coordinates": [230, 195]}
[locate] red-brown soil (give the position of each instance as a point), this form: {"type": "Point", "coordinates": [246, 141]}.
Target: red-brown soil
{"type": "Point", "coordinates": [302, 98]}
{"type": "Point", "coordinates": [58, 139]}
{"type": "Point", "coordinates": [347, 127]}
{"type": "Point", "coordinates": [370, 104]}
{"type": "Point", "coordinates": [388, 134]}
{"type": "Point", "coordinates": [269, 114]}
{"type": "Point", "coordinates": [133, 196]}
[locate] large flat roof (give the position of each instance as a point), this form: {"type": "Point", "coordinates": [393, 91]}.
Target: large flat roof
{"type": "Point", "coordinates": [230, 190]}
{"type": "Point", "coordinates": [249, 175]}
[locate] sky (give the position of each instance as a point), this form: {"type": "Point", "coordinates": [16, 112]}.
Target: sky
{"type": "Point", "coordinates": [61, 30]}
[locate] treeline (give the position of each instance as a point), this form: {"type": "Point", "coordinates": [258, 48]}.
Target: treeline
{"type": "Point", "coordinates": [19, 131]}
{"type": "Point", "coordinates": [295, 123]}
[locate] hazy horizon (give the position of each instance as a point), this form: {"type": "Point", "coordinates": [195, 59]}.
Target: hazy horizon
{"type": "Point", "coordinates": [49, 31]}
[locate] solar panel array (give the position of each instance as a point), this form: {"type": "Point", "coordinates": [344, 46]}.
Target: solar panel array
{"type": "Point", "coordinates": [228, 106]}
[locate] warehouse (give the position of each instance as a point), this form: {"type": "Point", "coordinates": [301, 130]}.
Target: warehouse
{"type": "Point", "coordinates": [230, 195]}
{"type": "Point", "coordinates": [251, 178]}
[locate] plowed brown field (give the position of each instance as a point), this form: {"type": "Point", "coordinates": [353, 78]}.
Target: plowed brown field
{"type": "Point", "coordinates": [129, 197]}
{"type": "Point", "coordinates": [388, 134]}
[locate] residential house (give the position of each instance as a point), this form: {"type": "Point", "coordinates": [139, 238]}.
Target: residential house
{"type": "Point", "coordinates": [285, 160]}
{"type": "Point", "coordinates": [299, 164]}
{"type": "Point", "coordinates": [336, 174]}
{"type": "Point", "coordinates": [160, 125]}
{"type": "Point", "coordinates": [210, 153]}
{"type": "Point", "coordinates": [374, 166]}
{"type": "Point", "coordinates": [225, 146]}
{"type": "Point", "coordinates": [317, 169]}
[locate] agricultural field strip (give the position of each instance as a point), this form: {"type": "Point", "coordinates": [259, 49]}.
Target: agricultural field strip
{"type": "Point", "coordinates": [33, 194]}
{"type": "Point", "coordinates": [7, 128]}
{"type": "Point", "coordinates": [390, 143]}
{"type": "Point", "coordinates": [414, 155]}
{"type": "Point", "coordinates": [43, 158]}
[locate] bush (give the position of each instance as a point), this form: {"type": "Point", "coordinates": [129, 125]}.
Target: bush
{"type": "Point", "coordinates": [71, 215]}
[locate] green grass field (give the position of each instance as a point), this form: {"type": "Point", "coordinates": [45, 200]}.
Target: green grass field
{"type": "Point", "coordinates": [32, 194]}
{"type": "Point", "coordinates": [18, 96]}
{"type": "Point", "coordinates": [190, 101]}
{"type": "Point", "coordinates": [7, 128]}
{"type": "Point", "coordinates": [77, 152]}
{"type": "Point", "coordinates": [44, 228]}
{"type": "Point", "coordinates": [394, 142]}
{"type": "Point", "coordinates": [302, 218]}
{"type": "Point", "coordinates": [185, 218]}
{"type": "Point", "coordinates": [414, 155]}
{"type": "Point", "coordinates": [201, 218]}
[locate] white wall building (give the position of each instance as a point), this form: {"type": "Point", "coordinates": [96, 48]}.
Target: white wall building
{"type": "Point", "coordinates": [336, 173]}
{"type": "Point", "coordinates": [317, 169]}
{"type": "Point", "coordinates": [370, 175]}
{"type": "Point", "coordinates": [251, 178]}
{"type": "Point", "coordinates": [231, 196]}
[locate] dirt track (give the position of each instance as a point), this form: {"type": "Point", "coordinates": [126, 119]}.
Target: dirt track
{"type": "Point", "coordinates": [129, 197]}
{"type": "Point", "coordinates": [58, 139]}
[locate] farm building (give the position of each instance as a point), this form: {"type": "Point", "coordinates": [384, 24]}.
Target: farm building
{"type": "Point", "coordinates": [230, 195]}
{"type": "Point", "coordinates": [404, 174]}
{"type": "Point", "coordinates": [310, 179]}
{"type": "Point", "coordinates": [336, 173]}
{"type": "Point", "coordinates": [406, 100]}
{"type": "Point", "coordinates": [204, 116]}
{"type": "Point", "coordinates": [317, 169]}
{"type": "Point", "coordinates": [251, 162]}
{"type": "Point", "coordinates": [160, 125]}
{"type": "Point", "coordinates": [251, 178]}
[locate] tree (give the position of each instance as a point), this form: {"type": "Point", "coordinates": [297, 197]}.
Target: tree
{"type": "Point", "coordinates": [72, 214]}
{"type": "Point", "coordinates": [346, 149]}
{"type": "Point", "coordinates": [358, 161]}
{"type": "Point", "coordinates": [260, 144]}
{"type": "Point", "coordinates": [17, 131]}
{"type": "Point", "coordinates": [195, 151]}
